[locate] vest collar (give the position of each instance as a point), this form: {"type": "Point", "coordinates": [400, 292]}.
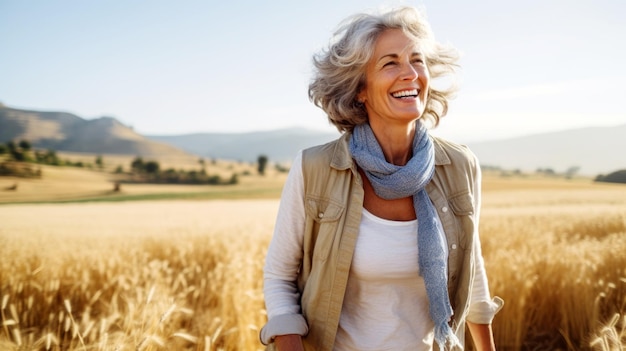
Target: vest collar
{"type": "Point", "coordinates": [441, 156]}
{"type": "Point", "coordinates": [342, 159]}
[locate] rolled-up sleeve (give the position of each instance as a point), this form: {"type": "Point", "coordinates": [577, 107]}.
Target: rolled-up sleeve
{"type": "Point", "coordinates": [482, 312]}
{"type": "Point", "coordinates": [283, 325]}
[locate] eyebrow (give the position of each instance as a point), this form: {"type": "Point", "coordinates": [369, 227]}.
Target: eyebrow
{"type": "Point", "coordinates": [395, 56]}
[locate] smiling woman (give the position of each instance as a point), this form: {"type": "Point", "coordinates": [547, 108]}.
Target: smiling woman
{"type": "Point", "coordinates": [385, 191]}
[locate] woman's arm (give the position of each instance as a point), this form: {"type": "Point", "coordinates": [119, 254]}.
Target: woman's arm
{"type": "Point", "coordinates": [291, 342]}
{"type": "Point", "coordinates": [283, 260]}
{"type": "Point", "coordinates": [482, 336]}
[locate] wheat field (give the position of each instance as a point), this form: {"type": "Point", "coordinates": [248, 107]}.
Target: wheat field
{"type": "Point", "coordinates": [187, 275]}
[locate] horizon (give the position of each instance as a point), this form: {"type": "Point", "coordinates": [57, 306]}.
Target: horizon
{"type": "Point", "coordinates": [527, 68]}
{"type": "Point", "coordinates": [314, 130]}
{"type": "Point", "coordinates": [526, 152]}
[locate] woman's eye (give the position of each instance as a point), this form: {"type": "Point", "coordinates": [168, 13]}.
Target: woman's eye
{"type": "Point", "coordinates": [390, 63]}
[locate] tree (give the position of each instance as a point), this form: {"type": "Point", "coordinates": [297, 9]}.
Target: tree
{"type": "Point", "coordinates": [137, 165]}
{"type": "Point", "coordinates": [14, 150]}
{"type": "Point", "coordinates": [614, 177]}
{"type": "Point", "coordinates": [99, 161]}
{"type": "Point", "coordinates": [282, 169]}
{"type": "Point", "coordinates": [571, 172]}
{"type": "Point", "coordinates": [152, 167]}
{"type": "Point", "coordinates": [202, 163]}
{"type": "Point", "coordinates": [48, 157]}
{"type": "Point", "coordinates": [52, 158]}
{"type": "Point", "coordinates": [19, 151]}
{"type": "Point", "coordinates": [262, 163]}
{"type": "Point", "coordinates": [11, 146]}
{"type": "Point", "coordinates": [25, 145]}
{"type": "Point", "coordinates": [234, 179]}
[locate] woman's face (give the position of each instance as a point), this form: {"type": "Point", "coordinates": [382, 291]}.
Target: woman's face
{"type": "Point", "coordinates": [396, 88]}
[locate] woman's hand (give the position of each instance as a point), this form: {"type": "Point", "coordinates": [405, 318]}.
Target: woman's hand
{"type": "Point", "coordinates": [291, 342]}
{"type": "Point", "coordinates": [482, 336]}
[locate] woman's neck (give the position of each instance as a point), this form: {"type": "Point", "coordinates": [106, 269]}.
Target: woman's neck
{"type": "Point", "coordinates": [396, 141]}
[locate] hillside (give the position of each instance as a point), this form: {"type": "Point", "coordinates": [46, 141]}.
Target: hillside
{"type": "Point", "coordinates": [596, 150]}
{"type": "Point", "coordinates": [67, 132]}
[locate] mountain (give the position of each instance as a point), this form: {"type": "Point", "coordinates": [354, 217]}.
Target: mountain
{"type": "Point", "coordinates": [278, 145]}
{"type": "Point", "coordinates": [67, 132]}
{"type": "Point", "coordinates": [596, 150]}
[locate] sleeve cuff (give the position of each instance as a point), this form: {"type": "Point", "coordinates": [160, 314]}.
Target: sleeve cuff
{"type": "Point", "coordinates": [482, 312]}
{"type": "Point", "coordinates": [283, 325]}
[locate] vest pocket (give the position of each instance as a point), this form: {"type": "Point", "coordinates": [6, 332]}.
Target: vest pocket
{"type": "Point", "coordinates": [325, 215]}
{"type": "Point", "coordinates": [462, 204]}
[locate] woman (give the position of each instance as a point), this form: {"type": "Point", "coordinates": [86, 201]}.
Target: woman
{"type": "Point", "coordinates": [376, 244]}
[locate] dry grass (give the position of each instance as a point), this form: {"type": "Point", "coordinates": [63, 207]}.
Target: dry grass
{"type": "Point", "coordinates": [187, 275]}
{"type": "Point", "coordinates": [69, 183]}
{"type": "Point", "coordinates": [557, 255]}
{"type": "Point", "coordinates": [134, 276]}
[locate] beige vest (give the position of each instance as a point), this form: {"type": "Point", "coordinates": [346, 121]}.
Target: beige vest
{"type": "Point", "coordinates": [333, 205]}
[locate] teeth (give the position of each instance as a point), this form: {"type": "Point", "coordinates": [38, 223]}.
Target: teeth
{"type": "Point", "coordinates": [405, 93]}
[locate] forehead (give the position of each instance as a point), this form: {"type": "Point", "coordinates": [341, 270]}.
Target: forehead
{"type": "Point", "coordinates": [396, 41]}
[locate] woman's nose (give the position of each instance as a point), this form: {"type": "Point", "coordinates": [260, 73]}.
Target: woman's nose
{"type": "Point", "coordinates": [409, 72]}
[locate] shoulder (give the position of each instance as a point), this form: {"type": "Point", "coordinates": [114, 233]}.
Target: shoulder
{"type": "Point", "coordinates": [456, 165]}
{"type": "Point", "coordinates": [451, 153]}
{"type": "Point", "coordinates": [331, 154]}
{"type": "Point", "coordinates": [320, 152]}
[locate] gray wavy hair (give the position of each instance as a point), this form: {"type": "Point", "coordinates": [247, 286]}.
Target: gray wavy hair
{"type": "Point", "coordinates": [339, 72]}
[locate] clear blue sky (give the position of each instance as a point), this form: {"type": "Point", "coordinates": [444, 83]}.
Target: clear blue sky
{"type": "Point", "coordinates": [173, 67]}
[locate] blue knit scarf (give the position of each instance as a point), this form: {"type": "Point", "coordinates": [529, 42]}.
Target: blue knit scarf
{"type": "Point", "coordinates": [393, 182]}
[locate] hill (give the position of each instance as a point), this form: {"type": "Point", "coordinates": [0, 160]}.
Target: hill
{"type": "Point", "coordinates": [63, 131]}
{"type": "Point", "coordinates": [596, 150]}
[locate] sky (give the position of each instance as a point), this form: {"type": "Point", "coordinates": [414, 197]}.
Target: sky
{"type": "Point", "coordinates": [178, 67]}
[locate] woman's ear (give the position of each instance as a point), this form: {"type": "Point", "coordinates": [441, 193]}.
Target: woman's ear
{"type": "Point", "coordinates": [360, 97]}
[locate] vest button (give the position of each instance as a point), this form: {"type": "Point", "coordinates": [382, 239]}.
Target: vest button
{"type": "Point", "coordinates": [453, 246]}
{"type": "Point", "coordinates": [320, 215]}
{"type": "Point", "coordinates": [444, 209]}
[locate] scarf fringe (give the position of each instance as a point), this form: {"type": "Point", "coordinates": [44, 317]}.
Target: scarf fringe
{"type": "Point", "coordinates": [445, 338]}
